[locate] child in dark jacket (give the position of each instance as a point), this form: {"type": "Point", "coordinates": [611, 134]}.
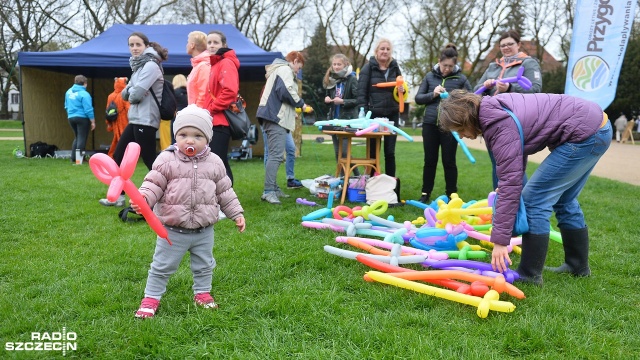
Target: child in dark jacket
{"type": "Point", "coordinates": [575, 130]}
{"type": "Point", "coordinates": [186, 187]}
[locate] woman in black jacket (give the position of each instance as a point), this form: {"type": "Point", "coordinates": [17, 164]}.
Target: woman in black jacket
{"type": "Point", "coordinates": [444, 77]}
{"type": "Point", "coordinates": [341, 87]}
{"type": "Point", "coordinates": [380, 101]}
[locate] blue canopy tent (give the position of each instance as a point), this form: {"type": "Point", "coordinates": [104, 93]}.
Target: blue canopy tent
{"type": "Point", "coordinates": [108, 53]}
{"type": "Point", "coordinates": [45, 76]}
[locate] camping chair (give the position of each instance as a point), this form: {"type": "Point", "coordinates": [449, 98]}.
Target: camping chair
{"type": "Point", "coordinates": [628, 132]}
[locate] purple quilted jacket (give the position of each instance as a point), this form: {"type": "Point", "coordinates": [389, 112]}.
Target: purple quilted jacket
{"type": "Point", "coordinates": [548, 120]}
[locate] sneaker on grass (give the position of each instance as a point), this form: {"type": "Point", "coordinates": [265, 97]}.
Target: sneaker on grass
{"type": "Point", "coordinates": [205, 300]}
{"type": "Point", "coordinates": [120, 202]}
{"type": "Point", "coordinates": [148, 308]}
{"type": "Point", "coordinates": [294, 184]}
{"type": "Point", "coordinates": [271, 198]}
{"type": "Point", "coordinates": [281, 194]}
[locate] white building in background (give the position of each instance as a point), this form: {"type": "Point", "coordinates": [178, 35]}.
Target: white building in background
{"type": "Point", "coordinates": [14, 101]}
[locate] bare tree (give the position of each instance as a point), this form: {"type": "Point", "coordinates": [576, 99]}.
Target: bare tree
{"type": "Point", "coordinates": [567, 16]}
{"type": "Point", "coordinates": [27, 26]}
{"type": "Point", "coordinates": [262, 21]}
{"type": "Point", "coordinates": [543, 20]}
{"type": "Point", "coordinates": [354, 25]}
{"type": "Point", "coordinates": [472, 25]}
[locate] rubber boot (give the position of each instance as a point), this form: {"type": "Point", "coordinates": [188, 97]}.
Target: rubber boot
{"type": "Point", "coordinates": [576, 252]}
{"type": "Point", "coordinates": [534, 253]}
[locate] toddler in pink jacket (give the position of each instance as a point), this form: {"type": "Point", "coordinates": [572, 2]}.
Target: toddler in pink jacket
{"type": "Point", "coordinates": [186, 188]}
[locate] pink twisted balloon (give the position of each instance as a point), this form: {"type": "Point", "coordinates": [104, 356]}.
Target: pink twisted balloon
{"type": "Point", "coordinates": [118, 179]}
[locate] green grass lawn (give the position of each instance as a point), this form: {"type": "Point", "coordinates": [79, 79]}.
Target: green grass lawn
{"type": "Point", "coordinates": [68, 262]}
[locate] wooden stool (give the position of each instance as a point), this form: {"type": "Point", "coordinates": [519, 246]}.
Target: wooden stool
{"type": "Point", "coordinates": [348, 163]}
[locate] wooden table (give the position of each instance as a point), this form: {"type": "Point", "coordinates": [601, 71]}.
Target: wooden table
{"type": "Point", "coordinates": [348, 163]}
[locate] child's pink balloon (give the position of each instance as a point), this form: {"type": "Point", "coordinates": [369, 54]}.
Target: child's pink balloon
{"type": "Point", "coordinates": [115, 189]}
{"type": "Point", "coordinates": [103, 167]}
{"type": "Point", "coordinates": [153, 221]}
{"type": "Point", "coordinates": [118, 179]}
{"type": "Point", "coordinates": [129, 160]}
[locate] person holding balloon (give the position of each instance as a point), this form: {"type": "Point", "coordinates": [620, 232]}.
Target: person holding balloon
{"type": "Point", "coordinates": [341, 87]}
{"type": "Point", "coordinates": [508, 65]}
{"type": "Point", "coordinates": [187, 187]}
{"type": "Point", "coordinates": [514, 126]}
{"type": "Point", "coordinates": [445, 76]}
{"type": "Point", "coordinates": [381, 68]}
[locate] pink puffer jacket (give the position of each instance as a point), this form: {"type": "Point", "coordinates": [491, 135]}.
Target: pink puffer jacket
{"type": "Point", "coordinates": [188, 191]}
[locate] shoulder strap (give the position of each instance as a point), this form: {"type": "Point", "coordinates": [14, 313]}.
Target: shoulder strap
{"type": "Point", "coordinates": [493, 160]}
{"type": "Point", "coordinates": [154, 95]}
{"type": "Point", "coordinates": [515, 119]}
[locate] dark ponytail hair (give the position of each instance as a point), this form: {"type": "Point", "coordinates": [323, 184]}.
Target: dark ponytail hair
{"type": "Point", "coordinates": [449, 52]}
{"type": "Point", "coordinates": [162, 52]}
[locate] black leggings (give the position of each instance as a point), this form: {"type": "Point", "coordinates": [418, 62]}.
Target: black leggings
{"type": "Point", "coordinates": [432, 140]}
{"type": "Point", "coordinates": [143, 135]}
{"type": "Point", "coordinates": [220, 146]}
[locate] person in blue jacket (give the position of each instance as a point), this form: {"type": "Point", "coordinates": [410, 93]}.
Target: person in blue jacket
{"type": "Point", "coordinates": [445, 76]}
{"type": "Point", "coordinates": [79, 106]}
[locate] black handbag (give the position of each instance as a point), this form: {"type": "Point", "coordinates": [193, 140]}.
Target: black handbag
{"type": "Point", "coordinates": [238, 119]}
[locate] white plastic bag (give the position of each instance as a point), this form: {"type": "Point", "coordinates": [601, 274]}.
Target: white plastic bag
{"type": "Point", "coordinates": [381, 187]}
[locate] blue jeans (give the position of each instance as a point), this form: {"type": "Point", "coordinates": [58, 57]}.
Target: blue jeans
{"type": "Point", "coordinates": [290, 149]}
{"type": "Point", "coordinates": [558, 181]}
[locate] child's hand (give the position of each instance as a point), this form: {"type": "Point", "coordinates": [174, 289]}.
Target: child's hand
{"type": "Point", "coordinates": [135, 206]}
{"type": "Point", "coordinates": [240, 223]}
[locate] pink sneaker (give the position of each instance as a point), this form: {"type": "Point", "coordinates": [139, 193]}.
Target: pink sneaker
{"type": "Point", "coordinates": [148, 308]}
{"type": "Point", "coordinates": [205, 300]}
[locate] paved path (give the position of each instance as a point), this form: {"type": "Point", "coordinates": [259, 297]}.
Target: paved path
{"type": "Point", "coordinates": [621, 162]}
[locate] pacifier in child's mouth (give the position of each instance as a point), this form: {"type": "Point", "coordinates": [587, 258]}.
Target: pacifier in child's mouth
{"type": "Point", "coordinates": [190, 150]}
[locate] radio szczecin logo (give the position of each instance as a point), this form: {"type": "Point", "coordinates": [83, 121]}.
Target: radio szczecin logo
{"type": "Point", "coordinates": [46, 341]}
{"type": "Point", "coordinates": [590, 73]}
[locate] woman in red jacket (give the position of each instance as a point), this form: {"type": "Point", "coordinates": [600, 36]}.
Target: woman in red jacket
{"type": "Point", "coordinates": [223, 90]}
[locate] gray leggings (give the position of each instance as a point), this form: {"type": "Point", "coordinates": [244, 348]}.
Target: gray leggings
{"type": "Point", "coordinates": [167, 258]}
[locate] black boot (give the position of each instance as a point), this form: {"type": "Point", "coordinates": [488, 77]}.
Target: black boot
{"type": "Point", "coordinates": [534, 253]}
{"type": "Point", "coordinates": [576, 252]}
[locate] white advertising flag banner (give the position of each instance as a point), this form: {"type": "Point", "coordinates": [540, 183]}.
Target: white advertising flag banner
{"type": "Point", "coordinates": [601, 31]}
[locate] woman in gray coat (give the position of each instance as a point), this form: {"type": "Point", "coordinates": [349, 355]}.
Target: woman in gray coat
{"type": "Point", "coordinates": [508, 66]}
{"type": "Point", "coordinates": [144, 114]}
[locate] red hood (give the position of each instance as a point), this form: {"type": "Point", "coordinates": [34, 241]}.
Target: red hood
{"type": "Point", "coordinates": [228, 54]}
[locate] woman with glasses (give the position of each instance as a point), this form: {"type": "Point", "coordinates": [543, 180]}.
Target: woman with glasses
{"type": "Point", "coordinates": [443, 77]}
{"type": "Point", "coordinates": [508, 65]}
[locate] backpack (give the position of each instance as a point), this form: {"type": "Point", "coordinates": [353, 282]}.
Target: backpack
{"type": "Point", "coordinates": [167, 104]}
{"type": "Point", "coordinates": [42, 149]}
{"type": "Point", "coordinates": [112, 112]}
